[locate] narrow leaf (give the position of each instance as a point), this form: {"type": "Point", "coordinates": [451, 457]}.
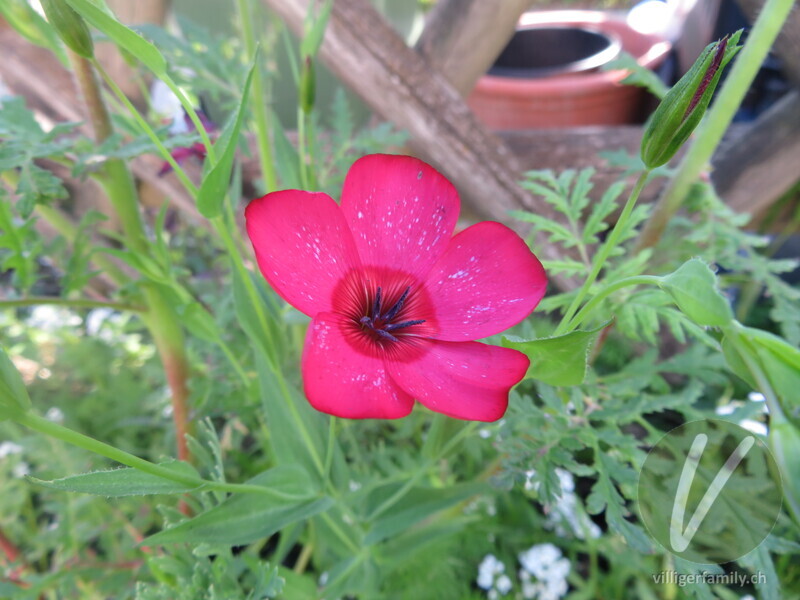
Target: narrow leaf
{"type": "Point", "coordinates": [216, 182]}
{"type": "Point", "coordinates": [124, 482]}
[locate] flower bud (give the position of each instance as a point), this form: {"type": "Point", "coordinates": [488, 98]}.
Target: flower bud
{"type": "Point", "coordinates": [307, 90]}
{"type": "Point", "coordinates": [685, 104]}
{"type": "Point", "coordinates": [69, 26]}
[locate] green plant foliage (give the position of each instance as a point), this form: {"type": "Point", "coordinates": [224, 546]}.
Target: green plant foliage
{"type": "Point", "coordinates": [561, 360]}
{"type": "Point", "coordinates": [278, 500]}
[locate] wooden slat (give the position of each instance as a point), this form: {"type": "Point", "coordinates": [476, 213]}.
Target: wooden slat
{"type": "Point", "coordinates": [462, 38]}
{"type": "Point", "coordinates": [397, 83]}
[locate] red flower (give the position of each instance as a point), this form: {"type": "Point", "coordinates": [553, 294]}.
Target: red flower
{"type": "Point", "coordinates": [396, 299]}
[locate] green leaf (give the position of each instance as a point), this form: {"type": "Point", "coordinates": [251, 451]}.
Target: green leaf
{"type": "Point", "coordinates": [126, 38]}
{"type": "Point", "coordinates": [199, 322]}
{"type": "Point", "coordinates": [315, 30]}
{"type": "Point", "coordinates": [297, 431]}
{"type": "Point", "coordinates": [778, 360]}
{"type": "Point", "coordinates": [419, 504]}
{"type": "Point", "coordinates": [216, 181]}
{"type": "Point", "coordinates": [784, 441]}
{"type": "Point", "coordinates": [245, 518]}
{"type": "Point", "coordinates": [693, 288]}
{"type": "Point", "coordinates": [639, 75]}
{"type": "Point", "coordinates": [124, 482]}
{"type": "Point", "coordinates": [13, 395]}
{"type": "Point", "coordinates": [561, 360]}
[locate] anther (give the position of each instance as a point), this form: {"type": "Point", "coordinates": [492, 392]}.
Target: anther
{"type": "Point", "coordinates": [376, 307]}
{"type": "Point", "coordinates": [403, 325]}
{"type": "Point", "coordinates": [386, 335]}
{"type": "Point", "coordinates": [397, 305]}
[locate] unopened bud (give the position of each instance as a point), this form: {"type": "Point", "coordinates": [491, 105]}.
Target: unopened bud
{"type": "Point", "coordinates": [308, 86]}
{"type": "Point", "coordinates": [69, 26]}
{"type": "Point", "coordinates": [685, 104]}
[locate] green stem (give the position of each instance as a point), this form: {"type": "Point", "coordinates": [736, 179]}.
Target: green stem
{"type": "Point", "coordinates": [71, 302]}
{"type": "Point", "coordinates": [587, 309]}
{"type": "Point", "coordinates": [329, 451]}
{"type": "Point", "coordinates": [301, 148]}
{"type": "Point", "coordinates": [258, 98]}
{"type": "Point", "coordinates": [710, 132]}
{"type": "Point", "coordinates": [605, 251]}
{"type": "Point", "coordinates": [160, 318]}
{"type": "Point", "coordinates": [59, 432]}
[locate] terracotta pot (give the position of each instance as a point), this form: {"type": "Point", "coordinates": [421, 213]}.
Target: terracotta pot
{"type": "Point", "coordinates": [576, 97]}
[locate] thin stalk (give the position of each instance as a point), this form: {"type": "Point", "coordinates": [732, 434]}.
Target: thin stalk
{"type": "Point", "coordinates": [71, 302]}
{"type": "Point", "coordinates": [605, 251]}
{"type": "Point", "coordinates": [258, 99]}
{"type": "Point", "coordinates": [160, 318]}
{"type": "Point", "coordinates": [302, 153]}
{"type": "Point", "coordinates": [329, 451]}
{"type": "Point", "coordinates": [303, 559]}
{"type": "Point", "coordinates": [710, 132]}
{"type": "Point", "coordinates": [54, 430]}
{"type": "Point", "coordinates": [607, 291]}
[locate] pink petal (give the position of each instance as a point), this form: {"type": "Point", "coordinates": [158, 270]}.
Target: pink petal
{"type": "Point", "coordinates": [401, 211]}
{"type": "Point", "coordinates": [487, 281]}
{"type": "Point", "coordinates": [341, 381]}
{"type": "Point", "coordinates": [303, 246]}
{"type": "Point", "coordinates": [465, 380]}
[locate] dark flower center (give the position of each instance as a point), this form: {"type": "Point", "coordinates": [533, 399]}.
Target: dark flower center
{"type": "Point", "coordinates": [383, 323]}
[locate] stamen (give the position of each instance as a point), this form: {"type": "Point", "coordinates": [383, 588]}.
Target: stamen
{"type": "Point", "coordinates": [376, 307]}
{"type": "Point", "coordinates": [386, 335]}
{"type": "Point", "coordinates": [404, 324]}
{"type": "Point", "coordinates": [397, 305]}
{"type": "Point", "coordinates": [366, 321]}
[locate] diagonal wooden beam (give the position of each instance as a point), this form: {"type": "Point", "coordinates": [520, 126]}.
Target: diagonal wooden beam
{"type": "Point", "coordinates": [462, 38]}
{"type": "Point", "coordinates": [397, 83]}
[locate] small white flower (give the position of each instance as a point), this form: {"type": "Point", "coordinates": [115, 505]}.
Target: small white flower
{"type": "Point", "coordinates": [354, 486]}
{"type": "Point", "coordinates": [323, 578]}
{"type": "Point", "coordinates": [484, 433]}
{"type": "Point", "coordinates": [503, 584]}
{"type": "Point", "coordinates": [490, 567]}
{"type": "Point", "coordinates": [537, 559]}
{"type": "Point", "coordinates": [725, 410]}
{"type": "Point", "coordinates": [54, 414]}
{"type": "Point", "coordinates": [531, 485]}
{"type": "Point", "coordinates": [756, 427]}
{"type": "Point", "coordinates": [20, 470]}
{"type": "Point", "coordinates": [756, 397]}
{"type": "Point", "coordinates": [9, 448]}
